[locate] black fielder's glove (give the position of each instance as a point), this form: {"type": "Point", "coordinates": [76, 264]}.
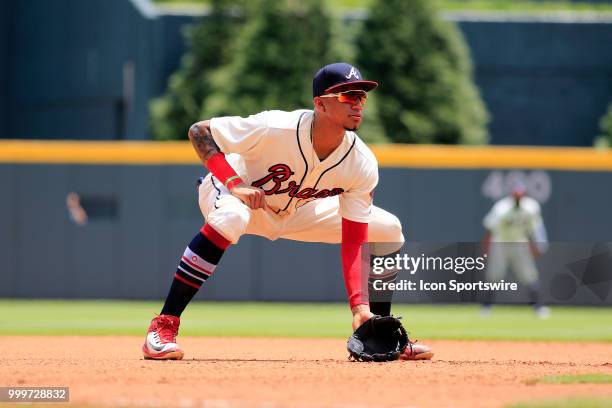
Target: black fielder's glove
{"type": "Point", "coordinates": [378, 339]}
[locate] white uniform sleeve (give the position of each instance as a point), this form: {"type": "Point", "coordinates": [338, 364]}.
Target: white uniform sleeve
{"type": "Point", "coordinates": [356, 203]}
{"type": "Point", "coordinates": [491, 220]}
{"type": "Point", "coordinates": [234, 134]}
{"type": "Point", "coordinates": [538, 231]}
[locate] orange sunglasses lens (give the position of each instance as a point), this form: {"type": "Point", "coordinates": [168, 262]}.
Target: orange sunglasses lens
{"type": "Point", "coordinates": [352, 97]}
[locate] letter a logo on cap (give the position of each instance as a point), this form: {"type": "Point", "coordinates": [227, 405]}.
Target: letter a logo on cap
{"type": "Point", "coordinates": [353, 73]}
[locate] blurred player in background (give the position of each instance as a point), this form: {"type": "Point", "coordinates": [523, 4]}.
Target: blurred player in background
{"type": "Point", "coordinates": [77, 213]}
{"type": "Point", "coordinates": [515, 236]}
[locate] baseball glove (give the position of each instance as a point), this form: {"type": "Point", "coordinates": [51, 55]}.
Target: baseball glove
{"type": "Point", "coordinates": [378, 339]}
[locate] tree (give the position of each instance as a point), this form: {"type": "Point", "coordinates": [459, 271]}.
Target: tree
{"type": "Point", "coordinates": [426, 94]}
{"type": "Point", "coordinates": [277, 53]}
{"type": "Point", "coordinates": [605, 124]}
{"type": "Point", "coordinates": [210, 44]}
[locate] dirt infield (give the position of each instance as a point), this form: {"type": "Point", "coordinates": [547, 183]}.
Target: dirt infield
{"type": "Point", "coordinates": [256, 372]}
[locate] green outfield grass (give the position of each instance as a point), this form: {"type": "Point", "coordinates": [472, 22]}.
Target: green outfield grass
{"type": "Point", "coordinates": [38, 317]}
{"type": "Point", "coordinates": [567, 403]}
{"type": "Point", "coordinates": [574, 379]}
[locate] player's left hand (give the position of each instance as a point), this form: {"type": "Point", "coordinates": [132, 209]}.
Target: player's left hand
{"type": "Point", "coordinates": [361, 314]}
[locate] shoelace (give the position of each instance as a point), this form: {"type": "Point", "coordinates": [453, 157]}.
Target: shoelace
{"type": "Point", "coordinates": [410, 344]}
{"type": "Point", "coordinates": [166, 330]}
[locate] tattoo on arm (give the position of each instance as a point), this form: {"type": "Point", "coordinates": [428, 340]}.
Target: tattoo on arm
{"type": "Point", "coordinates": [202, 141]}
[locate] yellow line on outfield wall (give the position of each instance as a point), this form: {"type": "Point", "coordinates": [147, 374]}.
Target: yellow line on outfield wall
{"type": "Point", "coordinates": [492, 157]}
{"type": "Point", "coordinates": [409, 156]}
{"type": "Point", "coordinates": [86, 152]}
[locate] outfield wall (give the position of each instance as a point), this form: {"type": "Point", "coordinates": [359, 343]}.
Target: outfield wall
{"type": "Point", "coordinates": [143, 211]}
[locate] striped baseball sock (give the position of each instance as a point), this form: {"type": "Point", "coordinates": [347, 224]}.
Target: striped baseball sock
{"type": "Point", "coordinates": [196, 265]}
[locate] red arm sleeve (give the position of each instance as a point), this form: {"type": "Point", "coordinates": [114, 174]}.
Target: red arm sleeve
{"type": "Point", "coordinates": [354, 234]}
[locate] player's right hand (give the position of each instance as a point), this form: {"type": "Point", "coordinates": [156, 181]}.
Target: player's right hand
{"type": "Point", "coordinates": [252, 197]}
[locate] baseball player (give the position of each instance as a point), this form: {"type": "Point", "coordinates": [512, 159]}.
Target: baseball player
{"type": "Point", "coordinates": [303, 175]}
{"type": "Point", "coordinates": [516, 234]}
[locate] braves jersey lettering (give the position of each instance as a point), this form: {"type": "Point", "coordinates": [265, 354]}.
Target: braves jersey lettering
{"type": "Point", "coordinates": [291, 189]}
{"type": "Point", "coordinates": [273, 151]}
{"type": "Point", "coordinates": [282, 172]}
{"type": "Point", "coordinates": [278, 174]}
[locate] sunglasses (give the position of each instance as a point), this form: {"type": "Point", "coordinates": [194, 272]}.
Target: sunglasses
{"type": "Point", "coordinates": [351, 97]}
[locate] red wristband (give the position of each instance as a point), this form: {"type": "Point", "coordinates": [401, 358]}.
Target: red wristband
{"type": "Point", "coordinates": [222, 170]}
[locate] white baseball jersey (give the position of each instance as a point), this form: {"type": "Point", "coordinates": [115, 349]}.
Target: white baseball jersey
{"type": "Point", "coordinates": [273, 150]}
{"type": "Point", "coordinates": [514, 227]}
{"type": "Point", "coordinates": [509, 223]}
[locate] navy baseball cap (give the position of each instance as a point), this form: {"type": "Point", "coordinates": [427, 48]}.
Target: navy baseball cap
{"type": "Point", "coordinates": [339, 77]}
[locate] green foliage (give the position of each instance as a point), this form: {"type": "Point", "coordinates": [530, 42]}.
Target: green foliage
{"type": "Point", "coordinates": [276, 55]}
{"type": "Point", "coordinates": [266, 59]}
{"type": "Point", "coordinates": [426, 93]}
{"type": "Point", "coordinates": [188, 88]}
{"type": "Point", "coordinates": [338, 6]}
{"type": "Point", "coordinates": [605, 124]}
{"type": "Point", "coordinates": [239, 66]}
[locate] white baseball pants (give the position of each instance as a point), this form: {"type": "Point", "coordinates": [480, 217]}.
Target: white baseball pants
{"type": "Point", "coordinates": [514, 254]}
{"type": "Point", "coordinates": [316, 221]}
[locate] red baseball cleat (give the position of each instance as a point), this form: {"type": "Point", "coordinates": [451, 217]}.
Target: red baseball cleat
{"type": "Point", "coordinates": [416, 352]}
{"type": "Point", "coordinates": [160, 343]}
